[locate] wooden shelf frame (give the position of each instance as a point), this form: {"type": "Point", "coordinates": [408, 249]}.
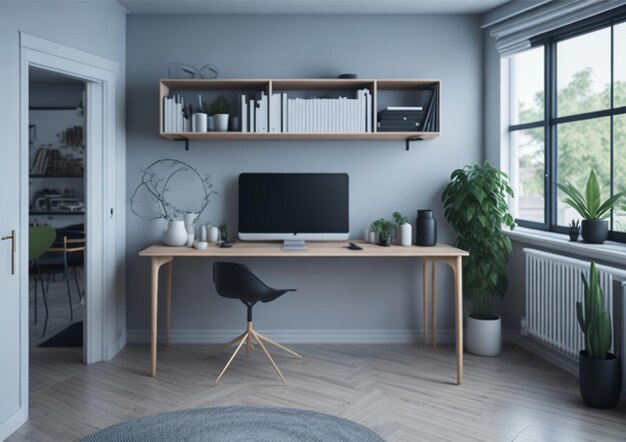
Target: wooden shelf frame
{"type": "Point", "coordinates": [270, 85]}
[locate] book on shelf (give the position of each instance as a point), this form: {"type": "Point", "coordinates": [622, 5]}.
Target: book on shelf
{"type": "Point", "coordinates": [284, 112]}
{"type": "Point", "coordinates": [387, 126]}
{"type": "Point", "coordinates": [174, 119]}
{"type": "Point", "coordinates": [404, 108]}
{"type": "Point", "coordinates": [243, 112]}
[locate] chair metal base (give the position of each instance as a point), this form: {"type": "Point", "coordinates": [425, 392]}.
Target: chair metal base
{"type": "Point", "coordinates": [246, 338]}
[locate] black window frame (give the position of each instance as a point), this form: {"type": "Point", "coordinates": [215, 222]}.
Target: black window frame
{"type": "Point", "coordinates": [551, 121]}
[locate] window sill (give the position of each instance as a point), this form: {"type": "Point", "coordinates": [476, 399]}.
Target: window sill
{"type": "Point", "coordinates": [610, 251]}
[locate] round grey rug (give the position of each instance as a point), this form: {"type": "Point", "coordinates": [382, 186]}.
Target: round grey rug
{"type": "Point", "coordinates": [237, 424]}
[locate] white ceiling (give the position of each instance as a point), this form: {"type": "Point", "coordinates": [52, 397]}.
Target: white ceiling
{"type": "Point", "coordinates": [310, 6]}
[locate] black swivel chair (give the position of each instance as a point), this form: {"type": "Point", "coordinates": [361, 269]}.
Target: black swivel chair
{"type": "Point", "coordinates": [238, 282]}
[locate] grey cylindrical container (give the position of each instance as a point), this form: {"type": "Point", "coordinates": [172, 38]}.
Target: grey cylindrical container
{"type": "Point", "coordinates": [425, 228]}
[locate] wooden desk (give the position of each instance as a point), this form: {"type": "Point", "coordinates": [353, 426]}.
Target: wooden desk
{"type": "Point", "coordinates": [441, 253]}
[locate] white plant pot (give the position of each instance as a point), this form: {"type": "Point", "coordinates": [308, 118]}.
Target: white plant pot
{"type": "Point", "coordinates": [484, 336]}
{"type": "Point", "coordinates": [406, 234]}
{"type": "Point", "coordinates": [199, 122]}
{"type": "Point", "coordinates": [221, 122]}
{"type": "Point", "coordinates": [176, 234]}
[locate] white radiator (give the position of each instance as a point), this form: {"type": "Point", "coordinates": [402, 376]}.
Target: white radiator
{"type": "Point", "coordinates": [553, 285]}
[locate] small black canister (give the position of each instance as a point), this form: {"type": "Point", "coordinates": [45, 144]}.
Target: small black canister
{"type": "Point", "coordinates": [426, 228]}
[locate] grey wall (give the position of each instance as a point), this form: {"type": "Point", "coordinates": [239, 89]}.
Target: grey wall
{"type": "Point", "coordinates": [55, 95]}
{"type": "Point", "coordinates": [332, 294]}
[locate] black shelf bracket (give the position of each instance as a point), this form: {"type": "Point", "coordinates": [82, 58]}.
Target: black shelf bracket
{"type": "Point", "coordinates": [186, 140]}
{"type": "Point", "coordinates": [413, 138]}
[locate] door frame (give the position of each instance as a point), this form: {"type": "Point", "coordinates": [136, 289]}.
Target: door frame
{"type": "Point", "coordinates": [105, 321]}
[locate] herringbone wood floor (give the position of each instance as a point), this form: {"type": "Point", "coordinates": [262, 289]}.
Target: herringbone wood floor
{"type": "Point", "coordinates": [404, 392]}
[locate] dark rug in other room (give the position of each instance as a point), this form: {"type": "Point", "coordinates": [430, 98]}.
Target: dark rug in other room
{"type": "Point", "coordinates": [71, 336]}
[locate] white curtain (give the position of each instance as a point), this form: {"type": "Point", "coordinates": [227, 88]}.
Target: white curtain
{"type": "Point", "coordinates": [514, 33]}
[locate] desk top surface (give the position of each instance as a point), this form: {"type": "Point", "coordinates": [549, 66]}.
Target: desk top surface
{"type": "Point", "coordinates": [314, 249]}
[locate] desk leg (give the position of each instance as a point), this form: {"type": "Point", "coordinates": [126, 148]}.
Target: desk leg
{"type": "Point", "coordinates": [458, 313]}
{"type": "Point", "coordinates": [157, 262]}
{"type": "Point", "coordinates": [425, 274]}
{"type": "Point", "coordinates": [433, 318]}
{"type": "Point", "coordinates": [168, 302]}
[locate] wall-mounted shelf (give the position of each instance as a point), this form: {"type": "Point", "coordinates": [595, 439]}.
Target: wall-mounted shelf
{"type": "Point", "coordinates": [57, 212]}
{"type": "Point", "coordinates": [384, 93]}
{"type": "Point", "coordinates": [296, 136]}
{"type": "Point", "coordinates": [55, 176]}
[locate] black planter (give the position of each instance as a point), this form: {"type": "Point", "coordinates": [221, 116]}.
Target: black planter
{"type": "Point", "coordinates": [573, 236]}
{"type": "Point", "coordinates": [595, 231]}
{"type": "Point", "coordinates": [600, 380]}
{"type": "Point", "coordinates": [385, 241]}
{"type": "Point", "coordinates": [425, 228]}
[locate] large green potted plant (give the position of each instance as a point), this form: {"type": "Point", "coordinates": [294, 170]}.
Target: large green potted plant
{"type": "Point", "coordinates": [595, 228]}
{"type": "Point", "coordinates": [475, 205]}
{"type": "Point", "coordinates": [600, 377]}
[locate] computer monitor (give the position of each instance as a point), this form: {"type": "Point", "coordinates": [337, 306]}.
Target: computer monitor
{"type": "Point", "coordinates": [294, 207]}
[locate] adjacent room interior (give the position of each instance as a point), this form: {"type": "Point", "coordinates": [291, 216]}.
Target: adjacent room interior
{"type": "Point", "coordinates": [297, 220]}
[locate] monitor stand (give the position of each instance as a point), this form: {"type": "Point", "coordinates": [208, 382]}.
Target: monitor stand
{"type": "Point", "coordinates": [294, 245]}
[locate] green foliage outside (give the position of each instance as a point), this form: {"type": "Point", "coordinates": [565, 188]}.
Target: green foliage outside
{"type": "Point", "coordinates": [582, 145]}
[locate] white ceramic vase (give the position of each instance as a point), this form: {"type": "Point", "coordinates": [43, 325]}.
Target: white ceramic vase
{"type": "Point", "coordinates": [190, 218]}
{"type": "Point", "coordinates": [175, 234]}
{"type": "Point", "coordinates": [199, 122]}
{"type": "Point", "coordinates": [406, 234]}
{"type": "Point", "coordinates": [221, 122]}
{"type": "Point", "coordinates": [484, 336]}
{"type": "Point", "coordinates": [214, 233]}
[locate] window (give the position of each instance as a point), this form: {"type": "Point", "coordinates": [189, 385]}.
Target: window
{"type": "Point", "coordinates": [567, 116]}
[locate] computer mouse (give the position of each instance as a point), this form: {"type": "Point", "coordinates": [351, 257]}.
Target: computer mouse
{"type": "Point", "coordinates": [226, 245]}
{"type": "Point", "coordinates": [353, 246]}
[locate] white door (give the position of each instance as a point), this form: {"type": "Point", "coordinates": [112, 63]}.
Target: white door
{"type": "Point", "coordinates": [13, 310]}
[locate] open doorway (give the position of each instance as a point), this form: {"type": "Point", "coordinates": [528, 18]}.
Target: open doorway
{"type": "Point", "coordinates": [56, 143]}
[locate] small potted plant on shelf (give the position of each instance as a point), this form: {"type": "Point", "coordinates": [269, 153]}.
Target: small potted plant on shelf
{"type": "Point", "coordinates": [224, 232]}
{"type": "Point", "coordinates": [475, 204]}
{"type": "Point", "coordinates": [405, 229]}
{"type": "Point", "coordinates": [385, 230]}
{"type": "Point", "coordinates": [219, 109]}
{"type": "Point", "coordinates": [206, 107]}
{"type": "Point", "coordinates": [574, 230]}
{"type": "Point", "coordinates": [595, 228]}
{"type": "Point", "coordinates": [600, 376]}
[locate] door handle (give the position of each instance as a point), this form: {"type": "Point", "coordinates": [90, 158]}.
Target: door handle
{"type": "Point", "coordinates": [13, 247]}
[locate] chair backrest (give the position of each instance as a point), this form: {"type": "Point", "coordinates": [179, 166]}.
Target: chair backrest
{"type": "Point", "coordinates": [40, 238]}
{"type": "Point", "coordinates": [237, 281]}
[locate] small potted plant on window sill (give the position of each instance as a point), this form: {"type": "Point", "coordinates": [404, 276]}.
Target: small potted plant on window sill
{"type": "Point", "coordinates": [600, 376]}
{"type": "Point", "coordinates": [574, 230]}
{"type": "Point", "coordinates": [595, 228]}
{"type": "Point", "coordinates": [385, 230]}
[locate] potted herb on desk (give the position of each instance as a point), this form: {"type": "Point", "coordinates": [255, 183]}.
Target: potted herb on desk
{"type": "Point", "coordinates": [404, 228]}
{"type": "Point", "coordinates": [600, 376]}
{"type": "Point", "coordinates": [592, 209]}
{"type": "Point", "coordinates": [385, 230]}
{"type": "Point", "coordinates": [475, 204]}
